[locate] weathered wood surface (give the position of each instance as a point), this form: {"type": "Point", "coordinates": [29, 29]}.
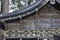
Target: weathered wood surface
{"type": "Point", "coordinates": [45, 18]}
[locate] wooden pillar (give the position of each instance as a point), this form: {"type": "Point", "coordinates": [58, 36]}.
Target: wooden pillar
{"type": "Point", "coordinates": [35, 18]}
{"type": "Point", "coordinates": [5, 6]}
{"type": "Point", "coordinates": [21, 21]}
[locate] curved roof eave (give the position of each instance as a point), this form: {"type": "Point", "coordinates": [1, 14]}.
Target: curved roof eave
{"type": "Point", "coordinates": [10, 16]}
